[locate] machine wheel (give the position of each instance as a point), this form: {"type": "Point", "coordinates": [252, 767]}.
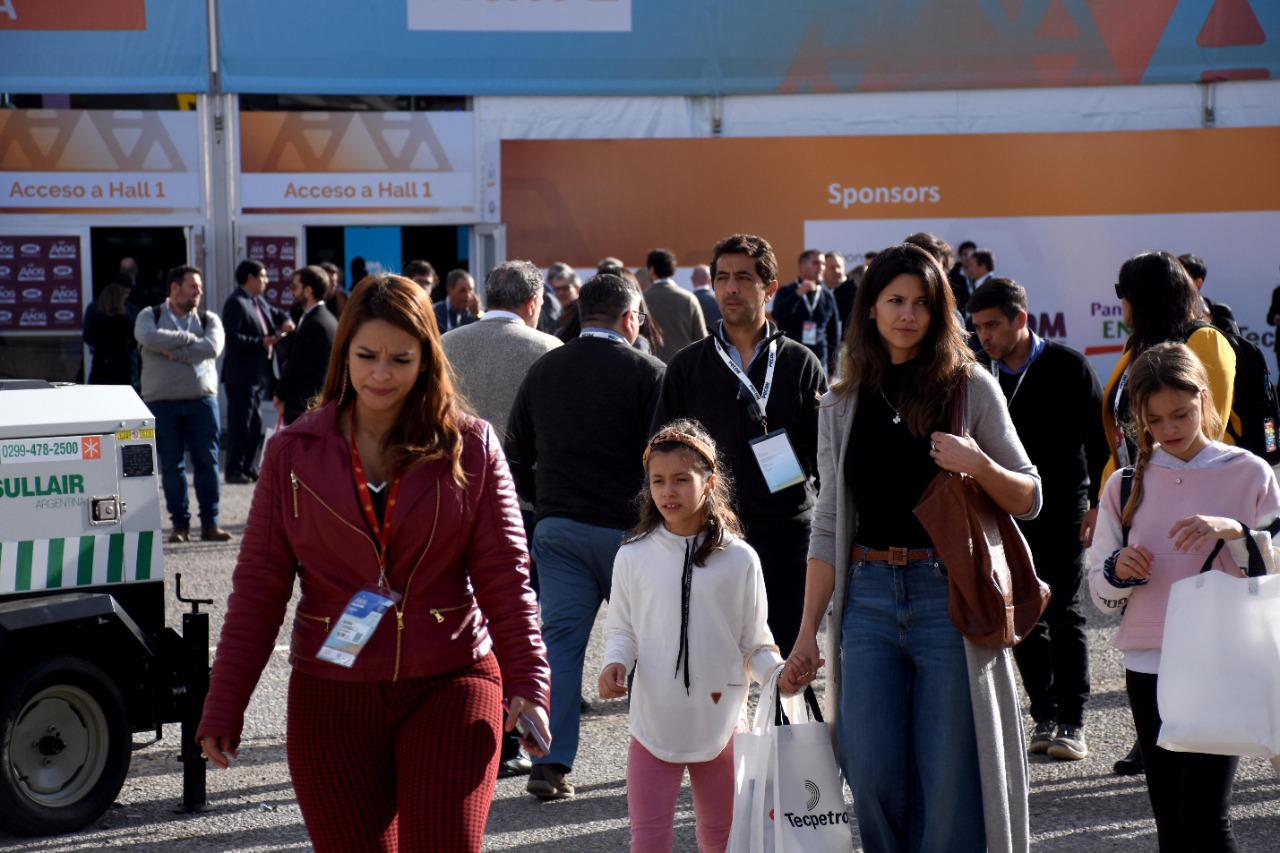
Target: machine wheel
{"type": "Point", "coordinates": [64, 747]}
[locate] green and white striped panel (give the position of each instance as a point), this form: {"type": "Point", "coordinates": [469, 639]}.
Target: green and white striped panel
{"type": "Point", "coordinates": [78, 561]}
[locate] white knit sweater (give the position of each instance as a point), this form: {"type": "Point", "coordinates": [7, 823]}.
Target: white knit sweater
{"type": "Point", "coordinates": [729, 641]}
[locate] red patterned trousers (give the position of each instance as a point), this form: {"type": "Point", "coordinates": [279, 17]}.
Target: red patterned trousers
{"type": "Point", "coordinates": [396, 766]}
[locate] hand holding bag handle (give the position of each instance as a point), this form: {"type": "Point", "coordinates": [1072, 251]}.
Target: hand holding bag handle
{"type": "Point", "coordinates": [994, 596]}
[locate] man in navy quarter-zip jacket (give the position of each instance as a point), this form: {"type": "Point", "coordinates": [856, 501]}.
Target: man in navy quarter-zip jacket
{"type": "Point", "coordinates": [1055, 402]}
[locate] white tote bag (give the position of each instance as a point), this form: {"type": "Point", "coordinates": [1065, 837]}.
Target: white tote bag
{"type": "Point", "coordinates": [787, 792]}
{"type": "Point", "coordinates": [1219, 685]}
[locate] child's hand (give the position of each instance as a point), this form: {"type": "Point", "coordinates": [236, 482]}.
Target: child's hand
{"type": "Point", "coordinates": [613, 681]}
{"type": "Point", "coordinates": [1134, 561]}
{"type": "Point", "coordinates": [1197, 531]}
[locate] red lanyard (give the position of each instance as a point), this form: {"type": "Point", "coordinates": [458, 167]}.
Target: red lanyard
{"type": "Point", "coordinates": [381, 531]}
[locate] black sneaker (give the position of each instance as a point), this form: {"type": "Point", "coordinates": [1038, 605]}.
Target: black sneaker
{"type": "Point", "coordinates": [1041, 737]}
{"type": "Point", "coordinates": [518, 766]}
{"type": "Point", "coordinates": [549, 782]}
{"type": "Point", "coordinates": [1069, 744]}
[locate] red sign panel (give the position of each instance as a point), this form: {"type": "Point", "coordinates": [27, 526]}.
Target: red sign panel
{"type": "Point", "coordinates": [40, 284]}
{"type": "Point", "coordinates": [74, 15]}
{"type": "Point", "coordinates": [280, 256]}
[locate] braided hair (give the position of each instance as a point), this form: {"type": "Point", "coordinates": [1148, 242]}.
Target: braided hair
{"type": "Point", "coordinates": [1163, 367]}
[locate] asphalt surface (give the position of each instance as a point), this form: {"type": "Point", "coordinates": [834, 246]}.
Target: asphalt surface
{"type": "Point", "coordinates": [1075, 806]}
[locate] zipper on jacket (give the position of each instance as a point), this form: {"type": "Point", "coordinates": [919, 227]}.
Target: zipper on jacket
{"type": "Point", "coordinates": [324, 619]}
{"type": "Point", "coordinates": [400, 608]}
{"type": "Point", "coordinates": [439, 612]}
{"type": "Point", "coordinates": [364, 533]}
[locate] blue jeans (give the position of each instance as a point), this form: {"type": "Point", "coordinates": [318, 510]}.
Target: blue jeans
{"type": "Point", "coordinates": [907, 742]}
{"type": "Point", "coordinates": [575, 574]}
{"type": "Point", "coordinates": [182, 427]}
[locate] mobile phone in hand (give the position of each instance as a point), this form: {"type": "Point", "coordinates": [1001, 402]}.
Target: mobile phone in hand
{"type": "Point", "coordinates": [527, 728]}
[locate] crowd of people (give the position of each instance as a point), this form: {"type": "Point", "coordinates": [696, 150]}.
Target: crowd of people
{"type": "Point", "coordinates": [725, 465]}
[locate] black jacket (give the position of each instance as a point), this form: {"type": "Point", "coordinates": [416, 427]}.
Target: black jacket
{"type": "Point", "coordinates": [699, 385]}
{"type": "Point", "coordinates": [578, 429]}
{"type": "Point", "coordinates": [791, 311]}
{"type": "Point", "coordinates": [246, 361]}
{"type": "Point", "coordinates": [303, 373]}
{"type": "Point", "coordinates": [1057, 411]}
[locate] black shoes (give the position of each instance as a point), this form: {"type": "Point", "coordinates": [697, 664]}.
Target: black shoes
{"type": "Point", "coordinates": [1131, 764]}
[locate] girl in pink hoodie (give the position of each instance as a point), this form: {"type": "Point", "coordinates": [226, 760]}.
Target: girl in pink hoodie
{"type": "Point", "coordinates": [1187, 492]}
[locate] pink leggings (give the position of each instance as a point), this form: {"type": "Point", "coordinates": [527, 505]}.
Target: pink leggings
{"type": "Point", "coordinates": [653, 786]}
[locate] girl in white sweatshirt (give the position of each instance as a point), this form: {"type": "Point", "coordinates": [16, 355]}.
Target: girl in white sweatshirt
{"type": "Point", "coordinates": [1188, 492]}
{"type": "Point", "coordinates": [688, 619]}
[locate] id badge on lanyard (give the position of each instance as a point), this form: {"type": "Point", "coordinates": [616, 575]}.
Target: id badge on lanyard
{"type": "Point", "coordinates": [356, 625]}
{"type": "Point", "coordinates": [363, 613]}
{"type": "Point", "coordinates": [809, 333]}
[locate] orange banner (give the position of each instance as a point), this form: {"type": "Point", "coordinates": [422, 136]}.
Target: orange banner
{"type": "Point", "coordinates": [578, 201]}
{"type": "Point", "coordinates": [74, 15]}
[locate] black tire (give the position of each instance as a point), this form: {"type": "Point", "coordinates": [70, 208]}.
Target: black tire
{"type": "Point", "coordinates": [64, 747]}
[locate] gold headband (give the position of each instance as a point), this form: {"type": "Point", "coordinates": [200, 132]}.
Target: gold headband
{"type": "Point", "coordinates": [690, 441]}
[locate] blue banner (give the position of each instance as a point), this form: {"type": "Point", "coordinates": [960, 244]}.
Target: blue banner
{"type": "Point", "coordinates": [713, 47]}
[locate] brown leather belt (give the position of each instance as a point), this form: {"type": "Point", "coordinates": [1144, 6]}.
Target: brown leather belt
{"type": "Point", "coordinates": [893, 556]}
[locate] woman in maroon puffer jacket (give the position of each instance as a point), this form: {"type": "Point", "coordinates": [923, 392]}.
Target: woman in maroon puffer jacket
{"type": "Point", "coordinates": [396, 512]}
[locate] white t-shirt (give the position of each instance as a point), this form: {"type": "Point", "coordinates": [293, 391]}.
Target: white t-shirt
{"type": "Point", "coordinates": [728, 615]}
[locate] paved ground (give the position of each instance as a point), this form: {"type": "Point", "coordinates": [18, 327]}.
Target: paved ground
{"type": "Point", "coordinates": [1078, 806]}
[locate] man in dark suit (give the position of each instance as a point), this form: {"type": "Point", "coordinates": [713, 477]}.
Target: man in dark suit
{"type": "Point", "coordinates": [807, 311]}
{"type": "Point", "coordinates": [253, 328]}
{"type": "Point", "coordinates": [303, 374]}
{"type": "Point", "coordinates": [460, 305]}
{"type": "Point", "coordinates": [702, 289]}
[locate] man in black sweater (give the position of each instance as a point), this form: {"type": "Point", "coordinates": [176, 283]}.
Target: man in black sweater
{"type": "Point", "coordinates": [1055, 403]}
{"type": "Point", "coordinates": [705, 381]}
{"type": "Point", "coordinates": [576, 438]}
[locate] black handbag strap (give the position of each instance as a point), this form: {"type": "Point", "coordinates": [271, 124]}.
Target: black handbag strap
{"type": "Point", "coordinates": [1126, 489]}
{"type": "Point", "coordinates": [1257, 568]}
{"type": "Point", "coordinates": [810, 699]}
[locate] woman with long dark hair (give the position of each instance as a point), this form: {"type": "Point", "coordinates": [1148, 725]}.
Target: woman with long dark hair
{"type": "Point", "coordinates": [1161, 305]}
{"type": "Point", "coordinates": [108, 330]}
{"type": "Point", "coordinates": [396, 512]}
{"type": "Point", "coordinates": [911, 700]}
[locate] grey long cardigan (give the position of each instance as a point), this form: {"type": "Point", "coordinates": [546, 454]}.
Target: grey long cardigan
{"type": "Point", "coordinates": [992, 689]}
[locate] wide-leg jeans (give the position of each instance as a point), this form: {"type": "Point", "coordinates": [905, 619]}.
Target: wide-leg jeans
{"type": "Point", "coordinates": [907, 742]}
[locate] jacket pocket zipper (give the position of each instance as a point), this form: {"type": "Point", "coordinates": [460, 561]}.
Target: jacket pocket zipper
{"type": "Point", "coordinates": [293, 478]}
{"type": "Point", "coordinates": [325, 619]}
{"type": "Point", "coordinates": [439, 612]}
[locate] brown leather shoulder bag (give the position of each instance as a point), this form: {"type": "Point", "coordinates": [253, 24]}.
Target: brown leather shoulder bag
{"type": "Point", "coordinates": [994, 595]}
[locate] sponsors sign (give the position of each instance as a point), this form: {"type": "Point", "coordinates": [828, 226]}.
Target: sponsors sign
{"type": "Point", "coordinates": [40, 284]}
{"type": "Point", "coordinates": [335, 162]}
{"type": "Point", "coordinates": [280, 256]}
{"type": "Point", "coordinates": [98, 161]}
{"type": "Point", "coordinates": [521, 15]}
{"type": "Point", "coordinates": [1061, 230]}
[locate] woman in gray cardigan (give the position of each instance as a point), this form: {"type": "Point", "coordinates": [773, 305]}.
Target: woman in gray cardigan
{"type": "Point", "coordinates": [927, 724]}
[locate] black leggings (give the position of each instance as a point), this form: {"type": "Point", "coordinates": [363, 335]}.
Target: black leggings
{"type": "Point", "coordinates": [1190, 791]}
